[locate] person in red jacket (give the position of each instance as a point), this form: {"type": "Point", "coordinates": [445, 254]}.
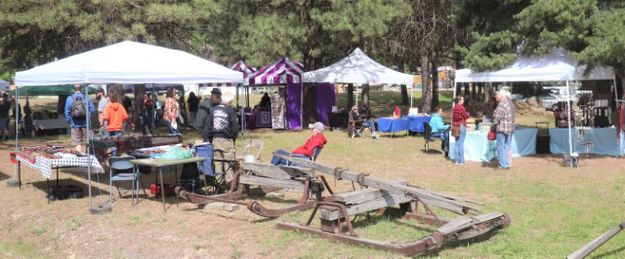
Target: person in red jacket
{"type": "Point", "coordinates": [317, 140]}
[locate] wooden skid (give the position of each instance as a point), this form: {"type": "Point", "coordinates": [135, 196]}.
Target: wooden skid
{"type": "Point", "coordinates": [458, 229]}
{"type": "Point", "coordinates": [291, 185]}
{"type": "Point", "coordinates": [446, 202]}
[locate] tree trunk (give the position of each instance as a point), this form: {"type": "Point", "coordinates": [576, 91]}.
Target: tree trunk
{"type": "Point", "coordinates": [426, 96]}
{"type": "Point", "coordinates": [473, 91]}
{"type": "Point", "coordinates": [350, 96]}
{"type": "Point", "coordinates": [434, 85]}
{"type": "Point", "coordinates": [365, 95]}
{"type": "Point", "coordinates": [488, 92]}
{"type": "Point", "coordinates": [467, 90]}
{"type": "Point", "coordinates": [405, 100]}
{"type": "Point", "coordinates": [139, 91]}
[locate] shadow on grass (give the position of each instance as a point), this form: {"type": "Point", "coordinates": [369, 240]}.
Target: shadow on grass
{"type": "Point", "coordinates": [4, 176]}
{"type": "Point", "coordinates": [617, 251]}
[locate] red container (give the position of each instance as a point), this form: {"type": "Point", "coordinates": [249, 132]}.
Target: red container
{"type": "Point", "coordinates": [155, 189]}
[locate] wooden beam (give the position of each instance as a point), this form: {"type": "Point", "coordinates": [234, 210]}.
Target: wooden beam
{"type": "Point", "coordinates": [291, 185]}
{"type": "Point", "coordinates": [431, 198]}
{"type": "Point", "coordinates": [598, 242]}
{"type": "Point", "coordinates": [277, 172]}
{"type": "Point", "coordinates": [366, 206]}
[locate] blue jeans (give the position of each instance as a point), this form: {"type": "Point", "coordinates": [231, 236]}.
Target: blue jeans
{"type": "Point", "coordinates": [370, 124]}
{"type": "Point", "coordinates": [459, 146]}
{"type": "Point", "coordinates": [114, 133]}
{"type": "Point", "coordinates": [171, 129]}
{"type": "Point", "coordinates": [279, 161]}
{"type": "Point", "coordinates": [502, 149]}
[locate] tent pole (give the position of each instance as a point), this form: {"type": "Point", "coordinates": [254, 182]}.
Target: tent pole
{"type": "Point", "coordinates": [301, 108]}
{"type": "Point", "coordinates": [17, 182]}
{"type": "Point", "coordinates": [568, 118]}
{"type": "Point", "coordinates": [411, 90]}
{"type": "Point", "coordinates": [616, 120]}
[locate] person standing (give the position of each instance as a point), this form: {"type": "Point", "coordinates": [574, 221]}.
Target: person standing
{"type": "Point", "coordinates": [170, 112]}
{"type": "Point", "coordinates": [223, 129]}
{"type": "Point", "coordinates": [459, 117]}
{"type": "Point", "coordinates": [77, 108]}
{"type": "Point", "coordinates": [103, 100]}
{"type": "Point", "coordinates": [193, 103]}
{"type": "Point", "coordinates": [5, 108]}
{"type": "Point", "coordinates": [204, 111]}
{"type": "Point", "coordinates": [115, 116]}
{"type": "Point", "coordinates": [148, 114]}
{"type": "Point", "coordinates": [503, 121]}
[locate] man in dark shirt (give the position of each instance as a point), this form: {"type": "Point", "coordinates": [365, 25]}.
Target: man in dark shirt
{"type": "Point", "coordinates": [5, 108]}
{"type": "Point", "coordinates": [223, 130]}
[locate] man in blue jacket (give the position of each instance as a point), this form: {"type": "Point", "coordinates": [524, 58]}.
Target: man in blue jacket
{"type": "Point", "coordinates": [439, 129]}
{"type": "Point", "coordinates": [76, 115]}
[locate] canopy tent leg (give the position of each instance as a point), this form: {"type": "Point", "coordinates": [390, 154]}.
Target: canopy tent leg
{"type": "Point", "coordinates": [568, 118]}
{"type": "Point", "coordinates": [17, 174]}
{"type": "Point", "coordinates": [301, 108]}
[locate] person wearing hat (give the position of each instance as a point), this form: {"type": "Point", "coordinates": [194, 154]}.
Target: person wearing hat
{"type": "Point", "coordinates": [354, 124]}
{"type": "Point", "coordinates": [503, 122]}
{"type": "Point", "coordinates": [223, 128]}
{"type": "Point", "coordinates": [317, 140]}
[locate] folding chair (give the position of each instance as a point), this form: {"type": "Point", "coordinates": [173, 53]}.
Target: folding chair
{"type": "Point", "coordinates": [126, 172]}
{"type": "Point", "coordinates": [250, 146]}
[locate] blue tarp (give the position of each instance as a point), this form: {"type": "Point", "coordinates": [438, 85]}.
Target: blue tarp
{"type": "Point", "coordinates": [604, 141]}
{"type": "Point", "coordinates": [477, 147]}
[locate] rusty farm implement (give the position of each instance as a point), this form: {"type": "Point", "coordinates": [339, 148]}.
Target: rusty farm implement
{"type": "Point", "coordinates": [335, 211]}
{"type": "Point", "coordinates": [267, 178]}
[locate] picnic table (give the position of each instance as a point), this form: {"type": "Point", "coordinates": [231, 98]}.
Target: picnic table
{"type": "Point", "coordinates": [159, 164]}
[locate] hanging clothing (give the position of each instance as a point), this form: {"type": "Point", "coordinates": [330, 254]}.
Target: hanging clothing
{"type": "Point", "coordinates": [278, 109]}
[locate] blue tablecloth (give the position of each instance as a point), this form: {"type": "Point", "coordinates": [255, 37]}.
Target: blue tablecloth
{"type": "Point", "coordinates": [415, 123]}
{"type": "Point", "coordinates": [604, 141]}
{"type": "Point", "coordinates": [477, 147]}
{"type": "Point", "coordinates": [388, 124]}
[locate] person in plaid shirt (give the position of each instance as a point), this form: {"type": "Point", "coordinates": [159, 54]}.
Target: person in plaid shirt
{"type": "Point", "coordinates": [504, 122]}
{"type": "Point", "coordinates": [459, 116]}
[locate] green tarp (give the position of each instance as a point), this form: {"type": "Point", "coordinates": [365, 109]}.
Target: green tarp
{"type": "Point", "coordinates": [50, 90]}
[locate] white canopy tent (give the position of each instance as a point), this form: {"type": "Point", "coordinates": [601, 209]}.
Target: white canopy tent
{"type": "Point", "coordinates": [556, 66]}
{"type": "Point", "coordinates": [129, 62]}
{"type": "Point", "coordinates": [358, 68]}
{"type": "Point", "coordinates": [126, 62]}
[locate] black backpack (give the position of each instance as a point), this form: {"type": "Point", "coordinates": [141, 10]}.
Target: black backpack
{"type": "Point", "coordinates": [78, 107]}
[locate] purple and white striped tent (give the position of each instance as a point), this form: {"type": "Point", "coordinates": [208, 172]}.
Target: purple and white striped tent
{"type": "Point", "coordinates": [282, 71]}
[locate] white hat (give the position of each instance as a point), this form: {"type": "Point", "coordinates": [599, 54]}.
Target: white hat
{"type": "Point", "coordinates": [504, 93]}
{"type": "Point", "coordinates": [227, 97]}
{"type": "Point", "coordinates": [319, 126]}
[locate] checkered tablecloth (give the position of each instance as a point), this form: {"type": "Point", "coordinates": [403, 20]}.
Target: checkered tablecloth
{"type": "Point", "coordinates": [45, 165]}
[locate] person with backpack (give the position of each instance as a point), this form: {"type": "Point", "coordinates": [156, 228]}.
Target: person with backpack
{"type": "Point", "coordinates": [76, 113]}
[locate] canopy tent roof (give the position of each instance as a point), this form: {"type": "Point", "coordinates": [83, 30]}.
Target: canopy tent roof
{"type": "Point", "coordinates": [357, 68]}
{"type": "Point", "coordinates": [241, 66]}
{"type": "Point", "coordinates": [556, 66]}
{"type": "Point", "coordinates": [282, 71]}
{"type": "Point", "coordinates": [128, 62]}
{"type": "Point", "coordinates": [127, 88]}
{"type": "Point", "coordinates": [50, 90]}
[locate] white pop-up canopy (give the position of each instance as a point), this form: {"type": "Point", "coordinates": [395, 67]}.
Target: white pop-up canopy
{"type": "Point", "coordinates": [557, 66]}
{"type": "Point", "coordinates": [129, 62]}
{"type": "Point", "coordinates": [357, 68]}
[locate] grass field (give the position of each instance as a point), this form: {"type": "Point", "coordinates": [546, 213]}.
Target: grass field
{"type": "Point", "coordinates": [554, 209]}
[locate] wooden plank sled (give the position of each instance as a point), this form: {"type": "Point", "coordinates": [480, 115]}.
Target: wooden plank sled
{"type": "Point", "coordinates": [266, 176]}
{"type": "Point", "coordinates": [596, 243]}
{"type": "Point", "coordinates": [336, 211]}
{"type": "Point", "coordinates": [447, 202]}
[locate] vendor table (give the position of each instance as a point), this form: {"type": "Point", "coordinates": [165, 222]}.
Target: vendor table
{"type": "Point", "coordinates": [389, 124]}
{"type": "Point", "coordinates": [159, 164]}
{"type": "Point", "coordinates": [45, 165]}
{"type": "Point", "coordinates": [262, 119]}
{"type": "Point", "coordinates": [415, 123]}
{"type": "Point", "coordinates": [604, 141]}
{"type": "Point", "coordinates": [478, 148]}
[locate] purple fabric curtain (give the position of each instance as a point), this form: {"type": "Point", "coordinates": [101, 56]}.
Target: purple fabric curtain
{"type": "Point", "coordinates": [325, 100]}
{"type": "Point", "coordinates": [293, 105]}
